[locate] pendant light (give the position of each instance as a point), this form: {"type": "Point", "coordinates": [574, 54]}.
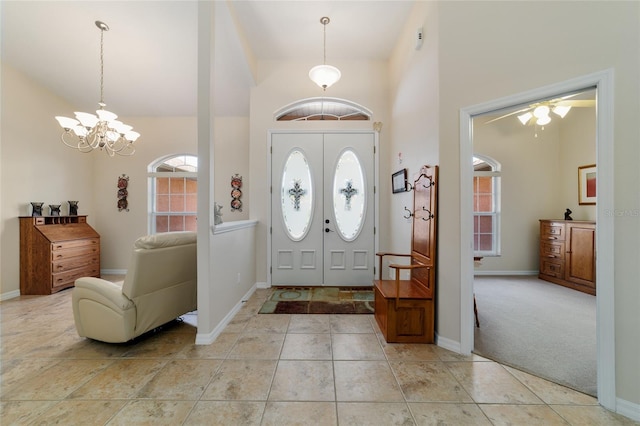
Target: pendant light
{"type": "Point", "coordinates": [324, 75]}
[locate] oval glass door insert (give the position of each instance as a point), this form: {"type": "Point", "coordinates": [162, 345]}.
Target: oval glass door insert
{"type": "Point", "coordinates": [296, 195]}
{"type": "Point", "coordinates": [349, 195]}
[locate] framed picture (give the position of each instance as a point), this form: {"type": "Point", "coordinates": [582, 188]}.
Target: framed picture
{"type": "Point", "coordinates": [399, 181]}
{"type": "Point", "coordinates": [587, 184]}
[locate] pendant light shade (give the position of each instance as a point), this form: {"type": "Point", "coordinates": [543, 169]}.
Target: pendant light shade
{"type": "Point", "coordinates": [324, 75]}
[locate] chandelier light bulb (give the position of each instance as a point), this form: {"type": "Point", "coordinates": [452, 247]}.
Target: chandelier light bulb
{"type": "Point", "coordinates": [101, 131]}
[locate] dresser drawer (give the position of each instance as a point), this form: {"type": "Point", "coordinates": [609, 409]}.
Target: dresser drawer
{"type": "Point", "coordinates": [552, 231]}
{"type": "Point", "coordinates": [75, 262]}
{"type": "Point", "coordinates": [552, 268]}
{"type": "Point", "coordinates": [552, 249]}
{"type": "Point", "coordinates": [69, 277]}
{"type": "Point", "coordinates": [75, 252]}
{"type": "Point", "coordinates": [63, 245]}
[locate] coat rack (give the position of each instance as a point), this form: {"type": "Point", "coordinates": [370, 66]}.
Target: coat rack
{"type": "Point", "coordinates": [413, 214]}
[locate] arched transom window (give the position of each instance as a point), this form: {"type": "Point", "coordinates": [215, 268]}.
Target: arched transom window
{"type": "Point", "coordinates": [323, 109]}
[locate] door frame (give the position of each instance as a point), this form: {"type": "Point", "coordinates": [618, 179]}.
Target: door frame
{"type": "Point", "coordinates": [605, 303]}
{"type": "Point", "coordinates": [376, 183]}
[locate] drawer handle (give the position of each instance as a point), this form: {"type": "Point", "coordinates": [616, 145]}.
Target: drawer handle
{"type": "Point", "coordinates": [551, 256]}
{"type": "Point", "coordinates": [552, 238]}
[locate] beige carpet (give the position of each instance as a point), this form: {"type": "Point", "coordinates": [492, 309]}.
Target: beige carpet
{"type": "Point", "coordinates": [539, 327]}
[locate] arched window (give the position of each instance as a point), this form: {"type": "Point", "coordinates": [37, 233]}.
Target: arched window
{"type": "Point", "coordinates": [173, 200]}
{"type": "Point", "coordinates": [486, 206]}
{"type": "Point", "coordinates": [323, 109]}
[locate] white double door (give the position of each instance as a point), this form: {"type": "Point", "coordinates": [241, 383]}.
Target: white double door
{"type": "Point", "coordinates": [322, 209]}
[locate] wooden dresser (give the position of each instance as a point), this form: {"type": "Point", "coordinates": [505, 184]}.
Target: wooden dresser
{"type": "Point", "coordinates": [55, 251]}
{"type": "Point", "coordinates": [568, 254]}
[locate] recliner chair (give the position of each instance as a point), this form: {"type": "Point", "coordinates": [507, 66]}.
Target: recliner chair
{"type": "Point", "coordinates": [160, 285]}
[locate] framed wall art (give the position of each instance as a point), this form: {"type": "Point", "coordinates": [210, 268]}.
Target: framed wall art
{"type": "Point", "coordinates": [399, 181]}
{"type": "Point", "coordinates": [587, 184]}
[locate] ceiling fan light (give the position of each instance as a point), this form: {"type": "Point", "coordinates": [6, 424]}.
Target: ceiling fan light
{"type": "Point", "coordinates": [543, 120]}
{"type": "Point", "coordinates": [561, 110]}
{"type": "Point", "coordinates": [324, 75]}
{"type": "Point", "coordinates": [541, 111]}
{"type": "Point", "coordinates": [524, 118]}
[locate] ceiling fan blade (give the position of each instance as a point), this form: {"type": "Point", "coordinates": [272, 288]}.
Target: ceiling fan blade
{"type": "Point", "coordinates": [508, 115]}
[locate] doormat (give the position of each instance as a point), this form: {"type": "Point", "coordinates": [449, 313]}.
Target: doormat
{"type": "Point", "coordinates": [319, 300]}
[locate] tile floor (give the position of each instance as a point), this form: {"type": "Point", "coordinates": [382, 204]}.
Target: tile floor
{"type": "Point", "coordinates": [262, 370]}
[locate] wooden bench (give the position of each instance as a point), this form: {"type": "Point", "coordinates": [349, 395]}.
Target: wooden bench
{"type": "Point", "coordinates": [404, 308]}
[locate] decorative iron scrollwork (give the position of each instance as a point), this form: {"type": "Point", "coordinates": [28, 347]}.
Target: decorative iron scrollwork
{"type": "Point", "coordinates": [296, 193]}
{"type": "Point", "coordinates": [348, 191]}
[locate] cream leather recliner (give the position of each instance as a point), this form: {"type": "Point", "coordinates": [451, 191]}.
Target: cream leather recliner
{"type": "Point", "coordinates": [160, 285]}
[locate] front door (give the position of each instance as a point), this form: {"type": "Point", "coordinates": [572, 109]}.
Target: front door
{"type": "Point", "coordinates": [322, 209]}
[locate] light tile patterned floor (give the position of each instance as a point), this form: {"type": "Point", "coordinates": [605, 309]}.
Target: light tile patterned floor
{"type": "Point", "coordinates": [264, 369]}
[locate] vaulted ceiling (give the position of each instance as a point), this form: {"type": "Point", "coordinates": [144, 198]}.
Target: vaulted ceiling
{"type": "Point", "coordinates": [150, 51]}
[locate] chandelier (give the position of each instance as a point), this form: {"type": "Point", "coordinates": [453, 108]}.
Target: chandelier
{"type": "Point", "coordinates": [324, 75]}
{"type": "Point", "coordinates": [100, 131]}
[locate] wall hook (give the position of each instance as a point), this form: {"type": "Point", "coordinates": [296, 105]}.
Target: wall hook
{"type": "Point", "coordinates": [429, 214]}
{"type": "Point", "coordinates": [409, 213]}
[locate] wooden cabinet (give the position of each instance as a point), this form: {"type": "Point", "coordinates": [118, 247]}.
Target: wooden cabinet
{"type": "Point", "coordinates": [568, 254]}
{"type": "Point", "coordinates": [55, 251]}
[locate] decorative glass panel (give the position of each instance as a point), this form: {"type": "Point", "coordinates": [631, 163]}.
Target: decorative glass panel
{"type": "Point", "coordinates": [349, 195]}
{"type": "Point", "coordinates": [296, 195]}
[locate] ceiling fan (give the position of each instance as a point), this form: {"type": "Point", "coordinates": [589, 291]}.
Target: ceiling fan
{"type": "Point", "coordinates": [538, 113]}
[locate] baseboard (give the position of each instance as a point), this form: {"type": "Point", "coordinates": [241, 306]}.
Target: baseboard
{"type": "Point", "coordinates": [478, 272]}
{"type": "Point", "coordinates": [209, 338]}
{"type": "Point", "coordinates": [448, 344]}
{"type": "Point", "coordinates": [262, 284]}
{"type": "Point", "coordinates": [113, 272]}
{"type": "Point", "coordinates": [9, 295]}
{"type": "Point", "coordinates": [628, 409]}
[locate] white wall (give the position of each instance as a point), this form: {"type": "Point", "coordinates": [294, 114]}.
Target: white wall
{"type": "Point", "coordinates": [414, 128]}
{"type": "Point", "coordinates": [231, 142]}
{"type": "Point", "coordinates": [35, 166]}
{"type": "Point", "coordinates": [487, 51]}
{"type": "Point", "coordinates": [578, 147]}
{"type": "Point", "coordinates": [539, 179]}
